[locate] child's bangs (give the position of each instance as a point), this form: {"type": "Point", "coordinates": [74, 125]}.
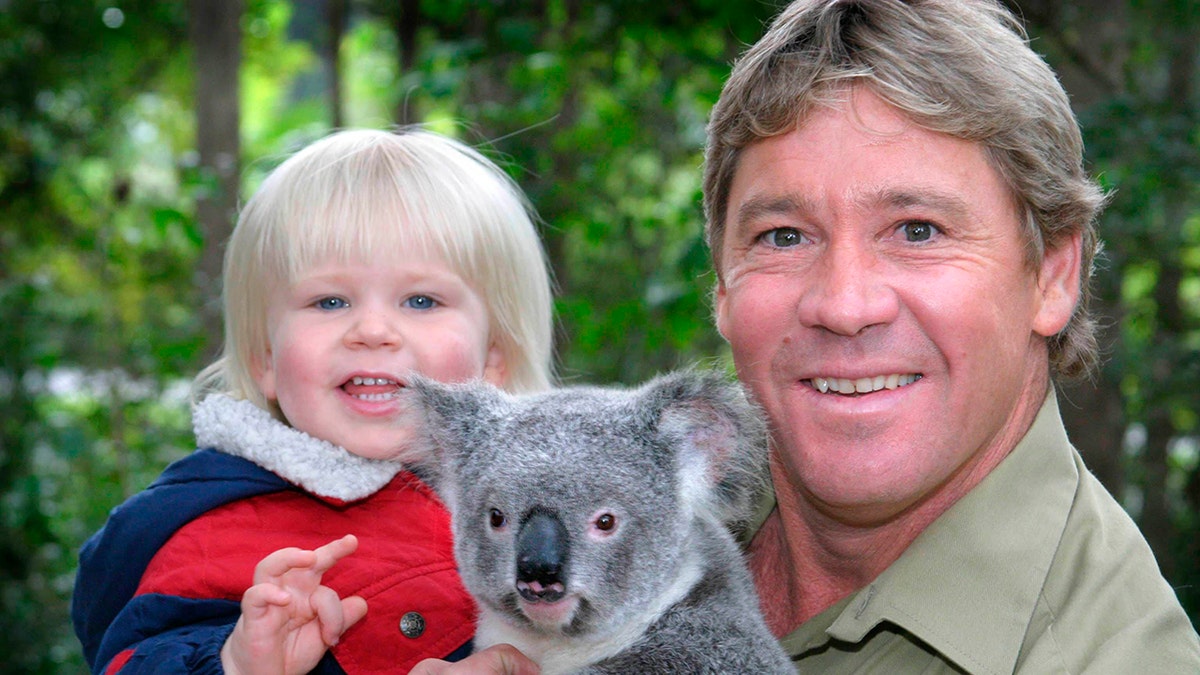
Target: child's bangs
{"type": "Point", "coordinates": [351, 221]}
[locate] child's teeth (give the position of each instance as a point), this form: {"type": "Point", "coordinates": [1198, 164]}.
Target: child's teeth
{"type": "Point", "coordinates": [375, 397]}
{"type": "Point", "coordinates": [369, 381]}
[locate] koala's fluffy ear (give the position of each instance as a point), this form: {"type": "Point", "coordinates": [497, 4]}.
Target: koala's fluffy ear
{"type": "Point", "coordinates": [443, 417]}
{"type": "Point", "coordinates": [721, 437]}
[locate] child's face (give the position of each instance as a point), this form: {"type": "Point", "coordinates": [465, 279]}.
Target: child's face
{"type": "Point", "coordinates": [344, 336]}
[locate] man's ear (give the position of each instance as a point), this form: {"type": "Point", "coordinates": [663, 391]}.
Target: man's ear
{"type": "Point", "coordinates": [1059, 285]}
{"type": "Point", "coordinates": [719, 301]}
{"type": "Point", "coordinates": [495, 367]}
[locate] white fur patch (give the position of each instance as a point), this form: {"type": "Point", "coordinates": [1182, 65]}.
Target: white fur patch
{"type": "Point", "coordinates": [244, 430]}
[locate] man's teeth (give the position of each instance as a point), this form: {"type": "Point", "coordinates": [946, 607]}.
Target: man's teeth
{"type": "Point", "coordinates": [863, 385]}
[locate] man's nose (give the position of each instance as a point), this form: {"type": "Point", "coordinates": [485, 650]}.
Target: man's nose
{"type": "Point", "coordinates": [847, 290]}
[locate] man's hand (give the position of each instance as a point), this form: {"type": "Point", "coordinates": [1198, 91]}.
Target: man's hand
{"type": "Point", "coordinates": [495, 660]}
{"type": "Point", "coordinates": [289, 619]}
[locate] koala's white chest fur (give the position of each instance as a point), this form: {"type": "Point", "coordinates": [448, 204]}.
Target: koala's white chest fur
{"type": "Point", "coordinates": [558, 654]}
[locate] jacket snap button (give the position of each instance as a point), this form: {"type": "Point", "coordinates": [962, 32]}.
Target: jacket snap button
{"type": "Point", "coordinates": [412, 625]}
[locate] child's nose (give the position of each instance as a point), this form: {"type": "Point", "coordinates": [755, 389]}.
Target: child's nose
{"type": "Point", "coordinates": [374, 329]}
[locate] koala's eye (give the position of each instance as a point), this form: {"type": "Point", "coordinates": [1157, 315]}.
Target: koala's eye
{"type": "Point", "coordinates": [497, 519]}
{"type": "Point", "coordinates": [606, 522]}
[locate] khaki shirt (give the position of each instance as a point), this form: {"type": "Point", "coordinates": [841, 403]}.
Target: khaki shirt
{"type": "Point", "coordinates": [1036, 570]}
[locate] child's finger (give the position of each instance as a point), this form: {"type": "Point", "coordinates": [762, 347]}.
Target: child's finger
{"type": "Point", "coordinates": [332, 619]}
{"type": "Point", "coordinates": [354, 609]}
{"type": "Point", "coordinates": [328, 555]}
{"type": "Point", "coordinates": [261, 596]}
{"type": "Point", "coordinates": [280, 562]}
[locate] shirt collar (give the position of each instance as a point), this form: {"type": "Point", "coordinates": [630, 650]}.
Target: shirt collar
{"type": "Point", "coordinates": [969, 583]}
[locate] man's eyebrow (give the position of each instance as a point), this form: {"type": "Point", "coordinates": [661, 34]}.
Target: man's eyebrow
{"type": "Point", "coordinates": [757, 208]}
{"type": "Point", "coordinates": [795, 206]}
{"type": "Point", "coordinates": [946, 203]}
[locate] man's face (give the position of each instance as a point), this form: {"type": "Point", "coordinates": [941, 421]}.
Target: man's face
{"type": "Point", "coordinates": [875, 292]}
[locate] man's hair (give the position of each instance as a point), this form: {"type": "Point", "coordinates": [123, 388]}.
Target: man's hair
{"type": "Point", "coordinates": [959, 67]}
{"type": "Point", "coordinates": [360, 193]}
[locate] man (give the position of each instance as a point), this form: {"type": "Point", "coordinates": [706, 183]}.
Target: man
{"type": "Point", "coordinates": [903, 235]}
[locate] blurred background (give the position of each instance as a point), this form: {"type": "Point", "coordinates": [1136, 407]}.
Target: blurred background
{"type": "Point", "coordinates": [130, 131]}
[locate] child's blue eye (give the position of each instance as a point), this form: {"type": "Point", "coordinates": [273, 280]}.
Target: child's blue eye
{"type": "Point", "coordinates": [331, 303]}
{"type": "Point", "coordinates": [420, 302]}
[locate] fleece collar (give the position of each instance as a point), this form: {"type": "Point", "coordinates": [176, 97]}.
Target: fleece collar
{"type": "Point", "coordinates": [242, 429]}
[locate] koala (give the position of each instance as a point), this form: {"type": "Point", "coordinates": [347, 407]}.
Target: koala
{"type": "Point", "coordinates": [591, 524]}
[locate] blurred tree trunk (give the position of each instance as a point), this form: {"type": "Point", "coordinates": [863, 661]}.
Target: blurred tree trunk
{"type": "Point", "coordinates": [1139, 60]}
{"type": "Point", "coordinates": [1091, 70]}
{"type": "Point", "coordinates": [336, 20]}
{"type": "Point", "coordinates": [405, 23]}
{"type": "Point", "coordinates": [215, 33]}
{"type": "Point", "coordinates": [1170, 340]}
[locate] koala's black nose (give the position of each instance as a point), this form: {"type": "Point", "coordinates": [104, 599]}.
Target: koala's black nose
{"type": "Point", "coordinates": [542, 552]}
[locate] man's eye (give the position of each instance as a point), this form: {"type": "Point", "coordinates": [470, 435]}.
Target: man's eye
{"type": "Point", "coordinates": [420, 302]}
{"type": "Point", "coordinates": [332, 303]}
{"type": "Point", "coordinates": [782, 237]}
{"type": "Point", "coordinates": [918, 231]}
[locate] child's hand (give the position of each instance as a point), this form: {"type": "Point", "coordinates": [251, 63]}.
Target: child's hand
{"type": "Point", "coordinates": [288, 618]}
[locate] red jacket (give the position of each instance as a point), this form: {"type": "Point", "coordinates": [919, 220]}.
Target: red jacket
{"type": "Point", "coordinates": [404, 564]}
{"type": "Point", "coordinates": [158, 587]}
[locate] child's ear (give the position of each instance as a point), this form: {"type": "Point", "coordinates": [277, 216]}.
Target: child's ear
{"type": "Point", "coordinates": [495, 368]}
{"type": "Point", "coordinates": [262, 368]}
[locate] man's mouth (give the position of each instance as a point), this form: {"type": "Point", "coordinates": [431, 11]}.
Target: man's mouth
{"type": "Point", "coordinates": [372, 388]}
{"type": "Point", "coordinates": [862, 385]}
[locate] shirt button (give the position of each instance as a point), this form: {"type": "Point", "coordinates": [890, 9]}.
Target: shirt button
{"type": "Point", "coordinates": [412, 625]}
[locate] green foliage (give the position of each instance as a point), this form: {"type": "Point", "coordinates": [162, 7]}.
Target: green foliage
{"type": "Point", "coordinates": [597, 109]}
{"type": "Point", "coordinates": [1145, 141]}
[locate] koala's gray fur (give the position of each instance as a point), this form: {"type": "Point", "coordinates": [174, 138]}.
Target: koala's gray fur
{"type": "Point", "coordinates": [661, 586]}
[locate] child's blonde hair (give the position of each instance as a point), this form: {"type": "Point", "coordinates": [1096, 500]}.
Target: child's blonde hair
{"type": "Point", "coordinates": [356, 193]}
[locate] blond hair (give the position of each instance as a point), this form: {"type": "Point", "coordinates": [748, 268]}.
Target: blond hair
{"type": "Point", "coordinates": [959, 67]}
{"type": "Point", "coordinates": [355, 193]}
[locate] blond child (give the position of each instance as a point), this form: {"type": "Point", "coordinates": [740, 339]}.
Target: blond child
{"type": "Point", "coordinates": [365, 257]}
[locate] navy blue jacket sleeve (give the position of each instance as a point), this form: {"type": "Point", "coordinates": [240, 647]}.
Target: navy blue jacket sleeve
{"type": "Point", "coordinates": [171, 635]}
{"type": "Point", "coordinates": [105, 615]}
{"type": "Point", "coordinates": [174, 648]}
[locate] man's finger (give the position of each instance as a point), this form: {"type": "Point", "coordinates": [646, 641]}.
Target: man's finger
{"type": "Point", "coordinates": [501, 659]}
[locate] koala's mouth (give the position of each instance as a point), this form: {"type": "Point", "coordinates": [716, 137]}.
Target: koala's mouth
{"type": "Point", "coordinates": [372, 388]}
{"type": "Point", "coordinates": [546, 606]}
{"type": "Point", "coordinates": [534, 591]}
